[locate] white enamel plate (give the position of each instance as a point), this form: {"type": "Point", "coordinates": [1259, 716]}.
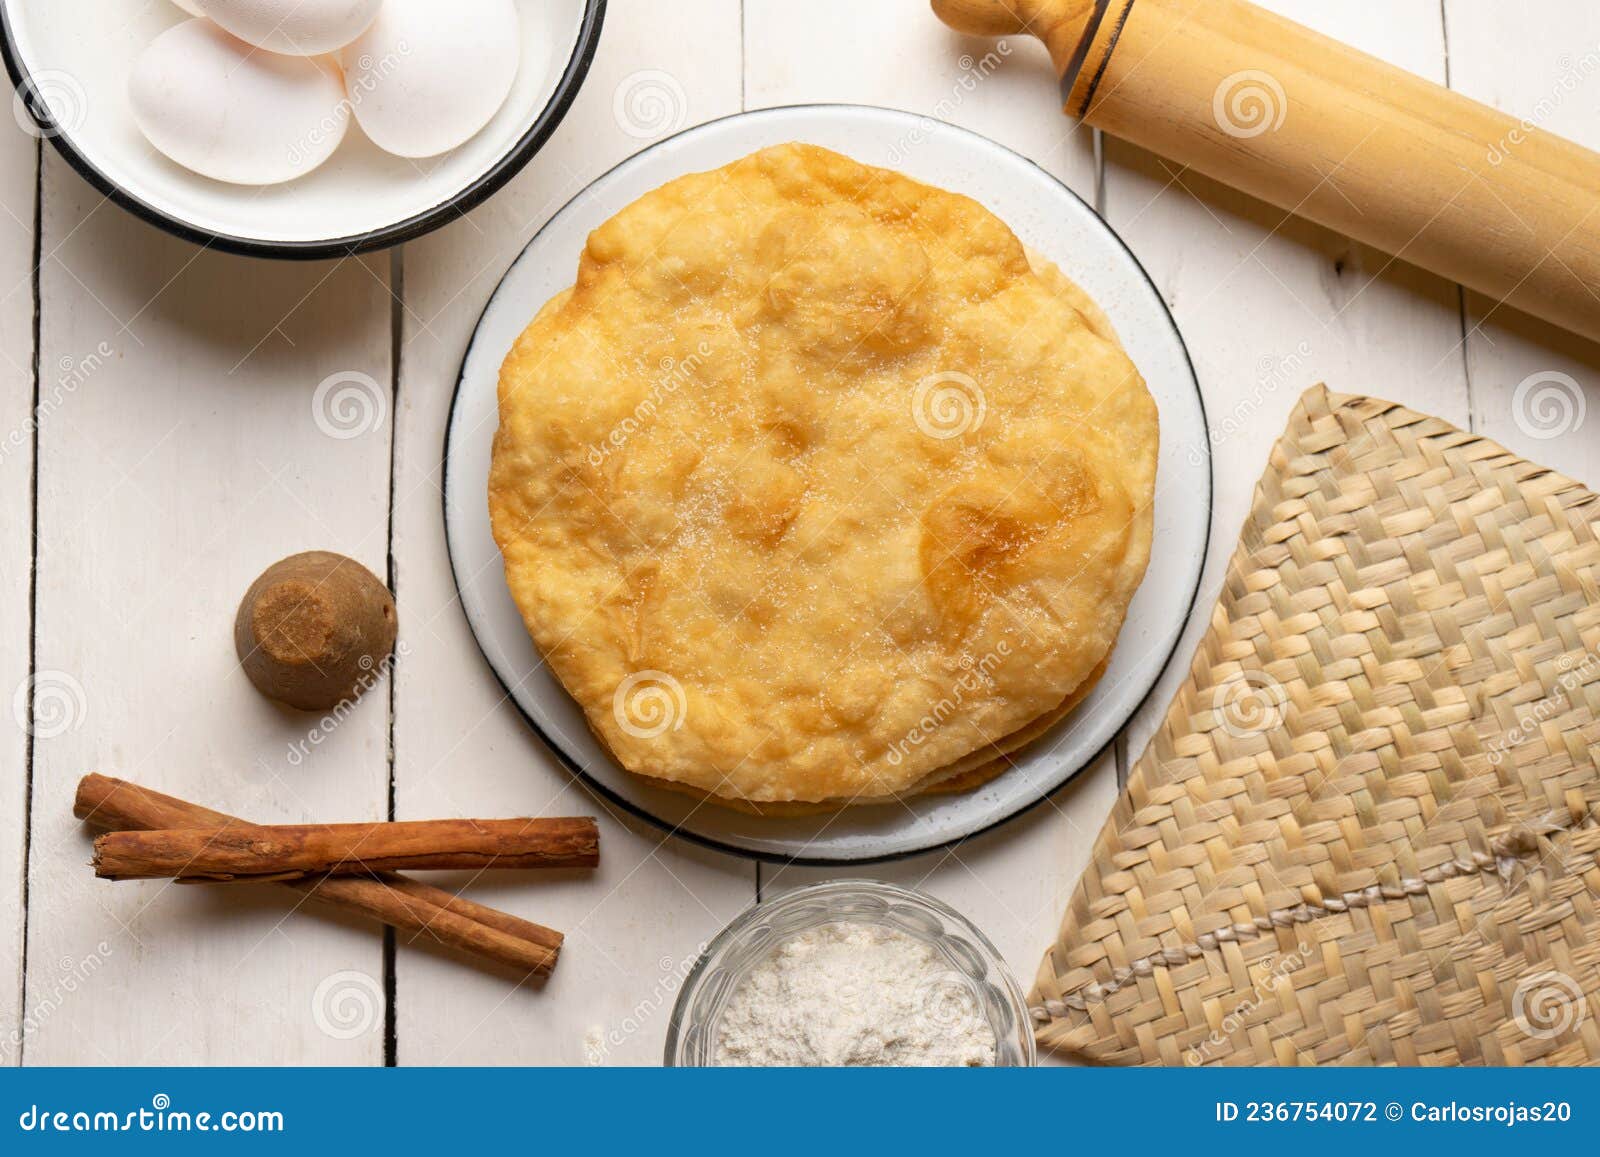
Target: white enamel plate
{"type": "Point", "coordinates": [1048, 217]}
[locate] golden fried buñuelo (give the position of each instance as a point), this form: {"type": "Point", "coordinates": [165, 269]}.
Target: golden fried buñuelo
{"type": "Point", "coordinates": [808, 458]}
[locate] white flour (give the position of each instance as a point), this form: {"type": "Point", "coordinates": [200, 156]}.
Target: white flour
{"type": "Point", "coordinates": [854, 994]}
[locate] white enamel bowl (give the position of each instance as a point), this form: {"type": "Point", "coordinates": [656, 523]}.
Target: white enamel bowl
{"type": "Point", "coordinates": [70, 61]}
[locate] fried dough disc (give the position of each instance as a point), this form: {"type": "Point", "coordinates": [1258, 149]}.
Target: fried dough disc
{"type": "Point", "coordinates": [994, 759]}
{"type": "Point", "coordinates": [807, 458]}
{"type": "Point", "coordinates": [968, 774]}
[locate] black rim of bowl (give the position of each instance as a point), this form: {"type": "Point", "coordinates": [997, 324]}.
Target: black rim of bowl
{"type": "Point", "coordinates": [679, 830]}
{"type": "Point", "coordinates": [407, 229]}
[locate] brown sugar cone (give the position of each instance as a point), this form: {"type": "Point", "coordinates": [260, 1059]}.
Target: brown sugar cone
{"type": "Point", "coordinates": [313, 628]}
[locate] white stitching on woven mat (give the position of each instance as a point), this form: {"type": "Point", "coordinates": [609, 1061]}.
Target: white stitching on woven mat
{"type": "Point", "coordinates": [1503, 859]}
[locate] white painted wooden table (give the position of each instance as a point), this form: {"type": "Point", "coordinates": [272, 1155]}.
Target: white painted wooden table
{"type": "Point", "coordinates": [158, 447]}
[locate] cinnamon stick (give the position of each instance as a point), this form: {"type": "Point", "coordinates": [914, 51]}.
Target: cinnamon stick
{"type": "Point", "coordinates": [425, 912]}
{"type": "Point", "coordinates": [263, 853]}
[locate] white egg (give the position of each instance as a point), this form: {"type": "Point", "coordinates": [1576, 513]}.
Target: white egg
{"type": "Point", "coordinates": [428, 75]}
{"type": "Point", "coordinates": [214, 104]}
{"type": "Point", "coordinates": [295, 27]}
{"type": "Point", "coordinates": [189, 6]}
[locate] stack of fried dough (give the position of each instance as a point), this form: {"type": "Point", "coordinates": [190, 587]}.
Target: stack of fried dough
{"type": "Point", "coordinates": [817, 488]}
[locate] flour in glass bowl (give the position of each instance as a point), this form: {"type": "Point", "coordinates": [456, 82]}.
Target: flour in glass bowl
{"type": "Point", "coordinates": [854, 994]}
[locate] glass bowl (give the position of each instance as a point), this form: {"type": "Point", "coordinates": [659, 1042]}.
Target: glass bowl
{"type": "Point", "coordinates": [692, 1033]}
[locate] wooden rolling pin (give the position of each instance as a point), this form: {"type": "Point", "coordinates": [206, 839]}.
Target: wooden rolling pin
{"type": "Point", "coordinates": [1315, 127]}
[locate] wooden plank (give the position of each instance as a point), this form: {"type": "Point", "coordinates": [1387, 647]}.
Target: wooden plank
{"type": "Point", "coordinates": [19, 155]}
{"type": "Point", "coordinates": [636, 924]}
{"type": "Point", "coordinates": [1270, 304]}
{"type": "Point", "coordinates": [1012, 882]}
{"type": "Point", "coordinates": [192, 455]}
{"type": "Point", "coordinates": [1534, 388]}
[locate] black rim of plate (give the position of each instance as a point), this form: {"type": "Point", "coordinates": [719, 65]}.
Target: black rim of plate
{"type": "Point", "coordinates": [407, 229]}
{"type": "Point", "coordinates": [678, 830]}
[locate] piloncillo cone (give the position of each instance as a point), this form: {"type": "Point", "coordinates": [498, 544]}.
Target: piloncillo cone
{"type": "Point", "coordinates": [313, 629]}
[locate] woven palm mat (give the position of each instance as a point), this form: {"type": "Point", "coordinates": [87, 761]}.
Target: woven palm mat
{"type": "Point", "coordinates": [1365, 833]}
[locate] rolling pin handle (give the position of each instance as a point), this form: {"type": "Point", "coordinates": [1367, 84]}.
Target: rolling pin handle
{"type": "Point", "coordinates": [986, 17]}
{"type": "Point", "coordinates": [1065, 26]}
